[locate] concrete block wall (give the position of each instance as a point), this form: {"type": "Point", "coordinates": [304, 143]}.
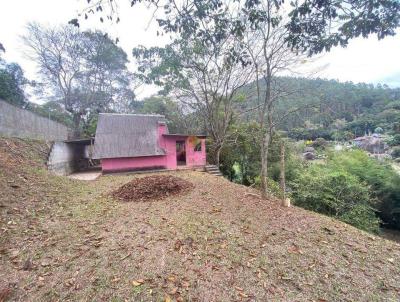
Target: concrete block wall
{"type": "Point", "coordinates": [16, 122]}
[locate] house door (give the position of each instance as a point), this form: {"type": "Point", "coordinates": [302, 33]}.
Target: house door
{"type": "Point", "coordinates": [180, 153]}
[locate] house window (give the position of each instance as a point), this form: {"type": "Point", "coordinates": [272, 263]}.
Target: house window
{"type": "Point", "coordinates": [197, 147]}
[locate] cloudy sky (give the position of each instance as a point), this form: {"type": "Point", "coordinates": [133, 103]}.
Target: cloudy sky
{"type": "Point", "coordinates": [364, 60]}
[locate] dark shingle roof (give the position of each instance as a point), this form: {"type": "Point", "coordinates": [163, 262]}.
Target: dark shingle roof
{"type": "Point", "coordinates": [127, 135]}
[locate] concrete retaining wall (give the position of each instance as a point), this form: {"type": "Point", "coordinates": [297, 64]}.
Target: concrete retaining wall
{"type": "Point", "coordinates": [16, 122]}
{"type": "Point", "coordinates": [64, 158]}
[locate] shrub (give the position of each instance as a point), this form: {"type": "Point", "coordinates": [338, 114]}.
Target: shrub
{"type": "Point", "coordinates": [363, 217]}
{"type": "Point", "coordinates": [394, 140]}
{"type": "Point", "coordinates": [336, 193]}
{"type": "Point", "coordinates": [319, 143]}
{"type": "Point", "coordinates": [384, 182]}
{"type": "Point", "coordinates": [395, 152]}
{"type": "Point", "coordinates": [273, 187]}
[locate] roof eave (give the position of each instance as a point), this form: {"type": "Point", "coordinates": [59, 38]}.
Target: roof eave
{"type": "Point", "coordinates": [187, 135]}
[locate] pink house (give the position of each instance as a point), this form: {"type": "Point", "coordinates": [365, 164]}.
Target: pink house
{"type": "Point", "coordinates": [129, 142]}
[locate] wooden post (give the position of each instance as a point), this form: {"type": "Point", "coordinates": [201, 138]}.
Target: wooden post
{"type": "Point", "coordinates": [282, 177]}
{"type": "Point", "coordinates": [282, 180]}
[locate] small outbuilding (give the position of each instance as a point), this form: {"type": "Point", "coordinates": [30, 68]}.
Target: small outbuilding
{"type": "Point", "coordinates": [133, 142]}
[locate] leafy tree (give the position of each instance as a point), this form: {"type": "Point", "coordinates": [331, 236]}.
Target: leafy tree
{"type": "Point", "coordinates": [84, 71]}
{"type": "Point", "coordinates": [394, 140]}
{"type": "Point", "coordinates": [318, 25]}
{"type": "Point", "coordinates": [52, 110]}
{"type": "Point", "coordinates": [202, 77]}
{"type": "Point", "coordinates": [178, 121]}
{"type": "Point", "coordinates": [313, 25]}
{"type": "Point", "coordinates": [268, 52]}
{"type": "Point", "coordinates": [12, 82]}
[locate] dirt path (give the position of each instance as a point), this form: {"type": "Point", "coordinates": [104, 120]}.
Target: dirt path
{"type": "Point", "coordinates": [90, 175]}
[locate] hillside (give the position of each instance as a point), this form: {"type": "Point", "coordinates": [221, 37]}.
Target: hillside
{"type": "Point", "coordinates": [330, 108]}
{"type": "Point", "coordinates": [69, 240]}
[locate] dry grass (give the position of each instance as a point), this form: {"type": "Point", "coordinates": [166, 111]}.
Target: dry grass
{"type": "Point", "coordinates": [65, 240]}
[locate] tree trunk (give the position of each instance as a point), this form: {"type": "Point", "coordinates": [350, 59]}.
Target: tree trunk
{"type": "Point", "coordinates": [282, 178]}
{"type": "Point", "coordinates": [76, 119]}
{"type": "Point", "coordinates": [217, 155]}
{"type": "Point", "coordinates": [264, 164]}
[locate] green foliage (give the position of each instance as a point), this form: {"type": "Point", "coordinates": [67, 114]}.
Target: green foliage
{"type": "Point", "coordinates": [335, 193]}
{"type": "Point", "coordinates": [311, 23]}
{"type": "Point", "coordinates": [343, 135]}
{"type": "Point", "coordinates": [12, 81]}
{"type": "Point", "coordinates": [178, 120]}
{"type": "Point", "coordinates": [292, 162]}
{"type": "Point", "coordinates": [396, 127]}
{"type": "Point", "coordinates": [240, 161]}
{"type": "Point", "coordinates": [52, 110]}
{"type": "Point", "coordinates": [363, 217]}
{"type": "Point", "coordinates": [90, 124]}
{"type": "Point", "coordinates": [394, 140]}
{"type": "Point", "coordinates": [273, 187]}
{"type": "Point", "coordinates": [384, 182]}
{"type": "Point", "coordinates": [338, 111]}
{"type": "Point", "coordinates": [395, 152]}
{"type": "Point", "coordinates": [320, 143]}
{"type": "Point", "coordinates": [310, 134]}
{"type": "Point", "coordinates": [349, 186]}
{"type": "Point", "coordinates": [203, 77]}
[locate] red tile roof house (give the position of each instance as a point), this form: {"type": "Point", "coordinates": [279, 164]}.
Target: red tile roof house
{"type": "Point", "coordinates": [133, 142]}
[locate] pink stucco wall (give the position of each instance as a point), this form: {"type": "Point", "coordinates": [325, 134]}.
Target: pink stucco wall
{"type": "Point", "coordinates": [168, 161]}
{"type": "Point", "coordinates": [132, 163]}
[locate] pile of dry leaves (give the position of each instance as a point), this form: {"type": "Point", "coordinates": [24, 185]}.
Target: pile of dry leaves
{"type": "Point", "coordinates": [153, 187]}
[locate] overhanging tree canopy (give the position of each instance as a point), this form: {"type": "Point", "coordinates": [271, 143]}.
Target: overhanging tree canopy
{"type": "Point", "coordinates": [314, 25]}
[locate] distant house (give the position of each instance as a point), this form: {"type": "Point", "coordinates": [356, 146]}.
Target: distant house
{"type": "Point", "coordinates": [372, 143]}
{"type": "Point", "coordinates": [128, 142]}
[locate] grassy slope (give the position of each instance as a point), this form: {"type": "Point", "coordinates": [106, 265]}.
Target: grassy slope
{"type": "Point", "coordinates": [66, 240]}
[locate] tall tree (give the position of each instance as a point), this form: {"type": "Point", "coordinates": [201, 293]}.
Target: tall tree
{"type": "Point", "coordinates": [204, 76]}
{"type": "Point", "coordinates": [269, 53]}
{"type": "Point", "coordinates": [12, 82]}
{"type": "Point", "coordinates": [84, 71]}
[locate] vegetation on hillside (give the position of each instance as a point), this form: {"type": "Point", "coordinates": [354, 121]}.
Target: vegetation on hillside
{"type": "Point", "coordinates": [334, 110]}
{"type": "Point", "coordinates": [65, 239]}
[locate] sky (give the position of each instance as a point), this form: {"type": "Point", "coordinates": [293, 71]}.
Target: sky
{"type": "Point", "coordinates": [364, 60]}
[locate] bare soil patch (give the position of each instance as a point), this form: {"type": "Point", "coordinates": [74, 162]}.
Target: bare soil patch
{"type": "Point", "coordinates": [154, 187]}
